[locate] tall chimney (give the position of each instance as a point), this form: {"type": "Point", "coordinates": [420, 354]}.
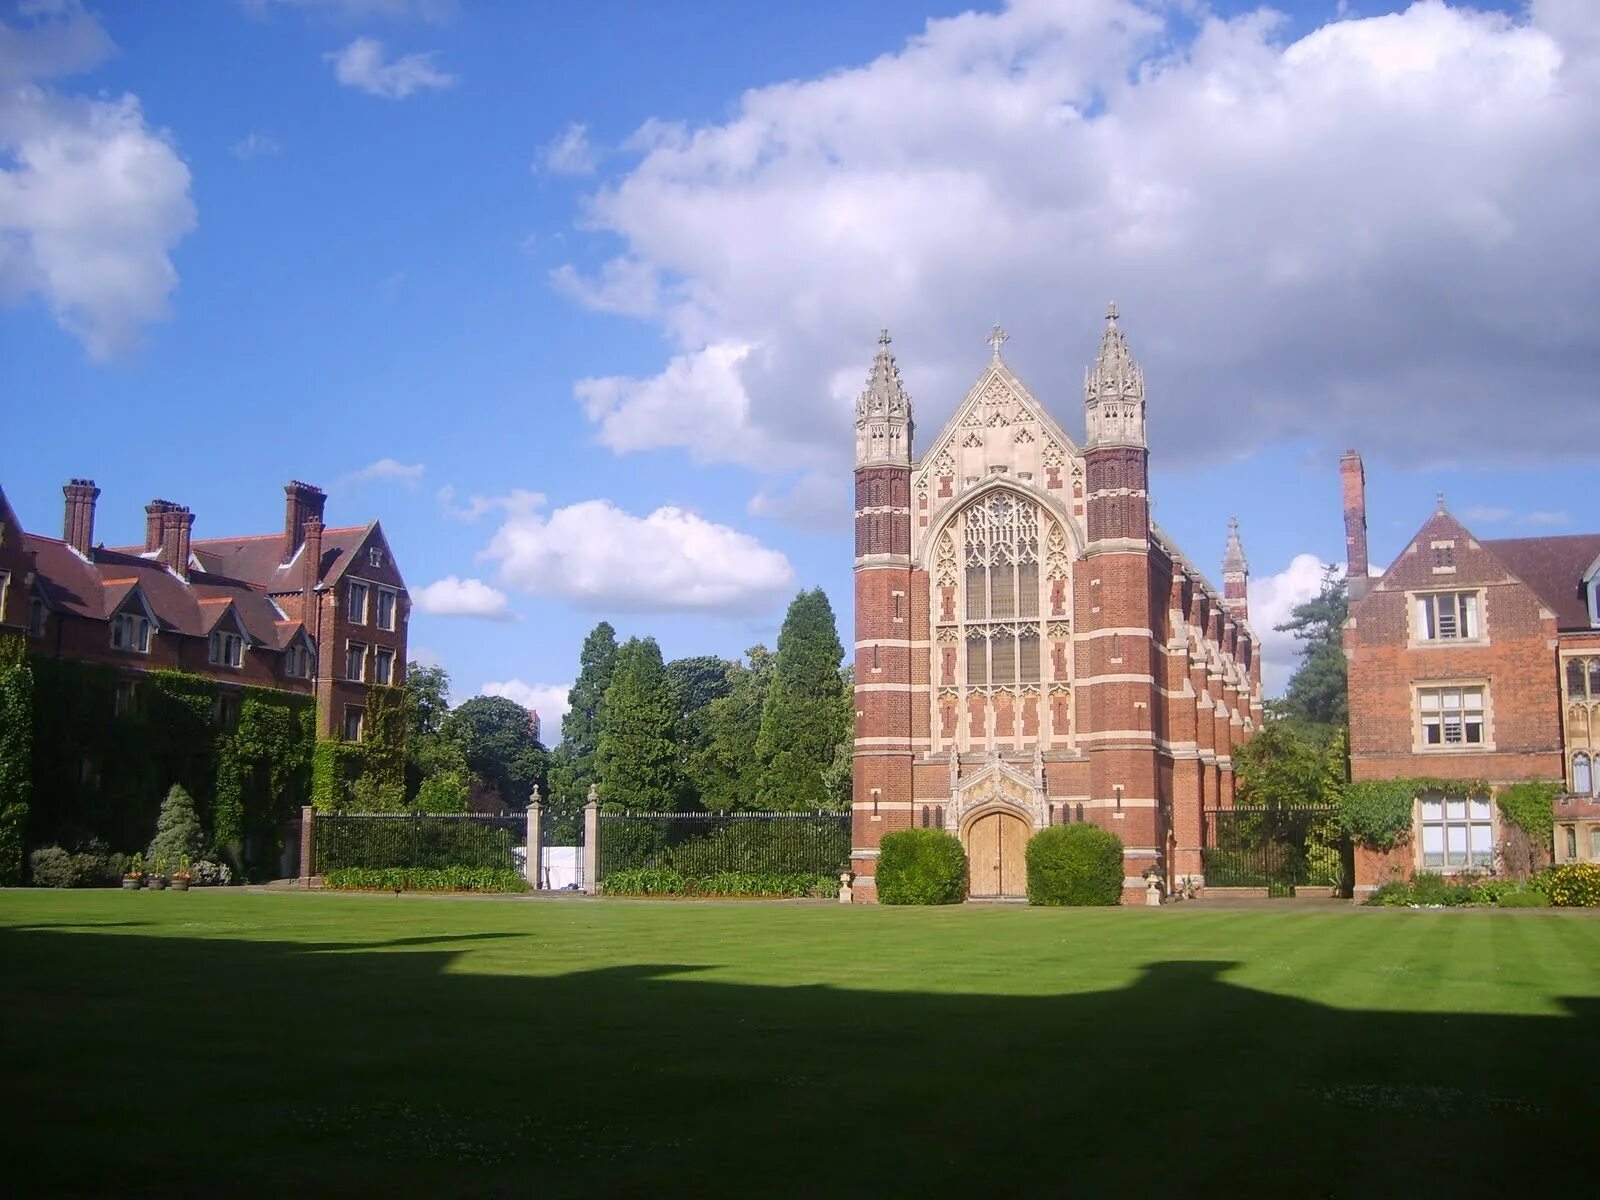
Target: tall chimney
{"type": "Point", "coordinates": [77, 527]}
{"type": "Point", "coordinates": [177, 524]}
{"type": "Point", "coordinates": [302, 501]}
{"type": "Point", "coordinates": [153, 513]}
{"type": "Point", "coordinates": [1353, 483]}
{"type": "Point", "coordinates": [310, 576]}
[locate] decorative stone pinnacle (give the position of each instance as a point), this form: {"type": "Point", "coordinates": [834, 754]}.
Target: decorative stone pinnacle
{"type": "Point", "coordinates": [1233, 560]}
{"type": "Point", "coordinates": [1111, 312]}
{"type": "Point", "coordinates": [997, 338]}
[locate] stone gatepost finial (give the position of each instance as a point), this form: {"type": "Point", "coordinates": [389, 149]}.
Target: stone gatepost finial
{"type": "Point", "coordinates": [594, 794]}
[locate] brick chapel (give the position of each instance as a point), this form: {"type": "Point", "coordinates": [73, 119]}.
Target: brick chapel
{"type": "Point", "coordinates": [1031, 648]}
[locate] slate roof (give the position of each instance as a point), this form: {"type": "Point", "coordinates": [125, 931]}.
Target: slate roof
{"type": "Point", "coordinates": [1553, 567]}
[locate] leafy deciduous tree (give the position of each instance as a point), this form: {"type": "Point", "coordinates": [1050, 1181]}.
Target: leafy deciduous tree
{"type": "Point", "coordinates": [637, 756]}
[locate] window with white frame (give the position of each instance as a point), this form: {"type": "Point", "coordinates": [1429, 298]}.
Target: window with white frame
{"type": "Point", "coordinates": [387, 602]}
{"type": "Point", "coordinates": [1447, 617]}
{"type": "Point", "coordinates": [1451, 716]}
{"type": "Point", "coordinates": [354, 715]}
{"type": "Point", "coordinates": [297, 661]}
{"type": "Point", "coordinates": [1457, 833]}
{"type": "Point", "coordinates": [383, 666]}
{"type": "Point", "coordinates": [1582, 775]}
{"type": "Point", "coordinates": [355, 608]}
{"type": "Point", "coordinates": [227, 649]}
{"type": "Point", "coordinates": [131, 631]}
{"type": "Point", "coordinates": [375, 556]}
{"type": "Point", "coordinates": [355, 661]}
{"type": "Point", "coordinates": [36, 615]}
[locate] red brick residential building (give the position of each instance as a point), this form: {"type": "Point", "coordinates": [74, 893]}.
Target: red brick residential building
{"type": "Point", "coordinates": [1030, 648]}
{"type": "Point", "coordinates": [309, 609]}
{"type": "Point", "coordinates": [1473, 659]}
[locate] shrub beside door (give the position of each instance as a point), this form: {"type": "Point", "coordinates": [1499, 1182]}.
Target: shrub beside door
{"type": "Point", "coordinates": [921, 866]}
{"type": "Point", "coordinates": [1077, 864]}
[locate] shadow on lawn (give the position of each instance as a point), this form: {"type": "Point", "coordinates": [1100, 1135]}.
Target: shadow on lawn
{"type": "Point", "coordinates": [175, 1066]}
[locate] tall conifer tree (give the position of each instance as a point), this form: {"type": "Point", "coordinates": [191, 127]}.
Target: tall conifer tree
{"type": "Point", "coordinates": [637, 756]}
{"type": "Point", "coordinates": [803, 718]}
{"type": "Point", "coordinates": [573, 769]}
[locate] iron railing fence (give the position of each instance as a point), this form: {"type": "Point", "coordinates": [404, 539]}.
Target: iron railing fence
{"type": "Point", "coordinates": [438, 840]}
{"type": "Point", "coordinates": [1274, 848]}
{"type": "Point", "coordinates": [700, 845]}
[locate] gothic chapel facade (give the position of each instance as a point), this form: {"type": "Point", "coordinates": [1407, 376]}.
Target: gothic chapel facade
{"type": "Point", "coordinates": [1032, 649]}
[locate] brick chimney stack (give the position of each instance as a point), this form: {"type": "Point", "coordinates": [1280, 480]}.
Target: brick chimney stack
{"type": "Point", "coordinates": [302, 502]}
{"type": "Point", "coordinates": [1353, 484]}
{"type": "Point", "coordinates": [78, 521]}
{"type": "Point", "coordinates": [177, 525]}
{"type": "Point", "coordinates": [153, 513]}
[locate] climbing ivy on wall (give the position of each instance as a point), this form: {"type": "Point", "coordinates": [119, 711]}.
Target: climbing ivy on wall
{"type": "Point", "coordinates": [1377, 812]}
{"type": "Point", "coordinates": [383, 735]}
{"type": "Point", "coordinates": [1531, 807]}
{"type": "Point", "coordinates": [102, 776]}
{"type": "Point", "coordinates": [16, 754]}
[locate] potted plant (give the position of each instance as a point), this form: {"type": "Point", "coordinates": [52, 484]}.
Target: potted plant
{"type": "Point", "coordinates": [183, 876]}
{"type": "Point", "coordinates": [133, 877]}
{"type": "Point", "coordinates": [158, 877]}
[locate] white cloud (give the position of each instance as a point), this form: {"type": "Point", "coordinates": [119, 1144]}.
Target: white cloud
{"type": "Point", "coordinates": [571, 153]}
{"type": "Point", "coordinates": [549, 700]}
{"type": "Point", "coordinates": [92, 200]}
{"type": "Point", "coordinates": [1300, 234]}
{"type": "Point", "coordinates": [1547, 518]}
{"type": "Point", "coordinates": [386, 470]}
{"type": "Point", "coordinates": [1488, 514]}
{"type": "Point", "coordinates": [520, 500]}
{"type": "Point", "coordinates": [1272, 599]}
{"type": "Point", "coordinates": [361, 65]}
{"type": "Point", "coordinates": [255, 145]}
{"type": "Point", "coordinates": [670, 561]}
{"type": "Point", "coordinates": [454, 597]}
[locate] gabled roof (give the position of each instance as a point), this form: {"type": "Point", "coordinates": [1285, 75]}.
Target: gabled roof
{"type": "Point", "coordinates": [1554, 569]}
{"type": "Point", "coordinates": [996, 370]}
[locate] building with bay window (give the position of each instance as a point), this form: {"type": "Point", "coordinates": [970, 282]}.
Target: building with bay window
{"type": "Point", "coordinates": [311, 610]}
{"type": "Point", "coordinates": [1030, 647]}
{"type": "Point", "coordinates": [1473, 662]}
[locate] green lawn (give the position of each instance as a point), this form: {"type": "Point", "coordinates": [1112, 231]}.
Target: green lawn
{"type": "Point", "coordinates": [292, 1044]}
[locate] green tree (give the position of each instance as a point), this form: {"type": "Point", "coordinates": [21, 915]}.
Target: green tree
{"type": "Point", "coordinates": [429, 754]}
{"type": "Point", "coordinates": [178, 834]}
{"type": "Point", "coordinates": [1288, 764]}
{"type": "Point", "coordinates": [1317, 694]}
{"type": "Point", "coordinates": [697, 683]}
{"type": "Point", "coordinates": [573, 767]}
{"type": "Point", "coordinates": [637, 754]}
{"type": "Point", "coordinates": [495, 736]}
{"type": "Point", "coordinates": [724, 772]}
{"type": "Point", "coordinates": [802, 720]}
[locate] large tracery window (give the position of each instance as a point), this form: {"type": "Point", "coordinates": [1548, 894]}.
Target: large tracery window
{"type": "Point", "coordinates": [1001, 605]}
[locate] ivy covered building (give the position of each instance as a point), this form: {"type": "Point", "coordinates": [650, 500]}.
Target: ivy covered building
{"type": "Point", "coordinates": [215, 662]}
{"type": "Point", "coordinates": [1474, 665]}
{"type": "Point", "coordinates": [1031, 648]}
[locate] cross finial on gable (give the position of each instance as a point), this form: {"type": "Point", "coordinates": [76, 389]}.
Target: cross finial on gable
{"type": "Point", "coordinates": [883, 338]}
{"type": "Point", "coordinates": [1438, 499]}
{"type": "Point", "coordinates": [997, 338]}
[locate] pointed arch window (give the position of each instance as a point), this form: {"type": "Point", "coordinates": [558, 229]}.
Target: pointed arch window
{"type": "Point", "coordinates": [1001, 582]}
{"type": "Point", "coordinates": [1582, 775]}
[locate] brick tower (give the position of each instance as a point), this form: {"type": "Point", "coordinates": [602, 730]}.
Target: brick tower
{"type": "Point", "coordinates": [885, 637]}
{"type": "Point", "coordinates": [1118, 648]}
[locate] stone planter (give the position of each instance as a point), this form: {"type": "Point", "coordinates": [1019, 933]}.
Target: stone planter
{"type": "Point", "coordinates": [180, 884]}
{"type": "Point", "coordinates": [157, 884]}
{"type": "Point", "coordinates": [133, 882]}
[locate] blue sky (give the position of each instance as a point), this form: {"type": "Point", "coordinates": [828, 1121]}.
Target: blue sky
{"type": "Point", "coordinates": [576, 298]}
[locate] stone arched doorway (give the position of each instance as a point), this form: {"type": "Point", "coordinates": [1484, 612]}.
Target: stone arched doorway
{"type": "Point", "coordinates": [996, 844]}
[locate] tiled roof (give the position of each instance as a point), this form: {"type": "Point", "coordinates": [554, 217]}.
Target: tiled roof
{"type": "Point", "coordinates": [1553, 568]}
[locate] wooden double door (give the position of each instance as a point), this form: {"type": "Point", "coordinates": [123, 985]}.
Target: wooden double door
{"type": "Point", "coordinates": [996, 857]}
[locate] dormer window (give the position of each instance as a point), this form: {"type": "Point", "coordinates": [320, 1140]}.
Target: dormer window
{"type": "Point", "coordinates": [297, 661]}
{"type": "Point", "coordinates": [131, 632]}
{"type": "Point", "coordinates": [227, 649]}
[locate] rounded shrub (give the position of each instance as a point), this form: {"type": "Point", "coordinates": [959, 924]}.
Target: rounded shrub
{"type": "Point", "coordinates": [1571, 885]}
{"type": "Point", "coordinates": [921, 866]}
{"type": "Point", "coordinates": [1074, 864]}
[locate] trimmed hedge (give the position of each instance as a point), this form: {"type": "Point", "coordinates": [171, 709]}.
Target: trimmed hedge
{"type": "Point", "coordinates": [1076, 864]}
{"type": "Point", "coordinates": [921, 866]}
{"type": "Point", "coordinates": [424, 879]}
{"type": "Point", "coordinates": [665, 881]}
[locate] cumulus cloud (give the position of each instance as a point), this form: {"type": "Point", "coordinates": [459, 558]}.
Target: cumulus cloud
{"type": "Point", "coordinates": [361, 65]}
{"type": "Point", "coordinates": [386, 470]}
{"type": "Point", "coordinates": [571, 153]}
{"type": "Point", "coordinates": [1272, 599]}
{"type": "Point", "coordinates": [672, 560]}
{"type": "Point", "coordinates": [92, 199]}
{"type": "Point", "coordinates": [455, 597]}
{"type": "Point", "coordinates": [1383, 226]}
{"type": "Point", "coordinates": [549, 700]}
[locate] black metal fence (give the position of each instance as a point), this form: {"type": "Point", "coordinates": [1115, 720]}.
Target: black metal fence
{"type": "Point", "coordinates": [700, 845]}
{"type": "Point", "coordinates": [441, 840]}
{"type": "Point", "coordinates": [1279, 849]}
{"type": "Point", "coordinates": [561, 856]}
